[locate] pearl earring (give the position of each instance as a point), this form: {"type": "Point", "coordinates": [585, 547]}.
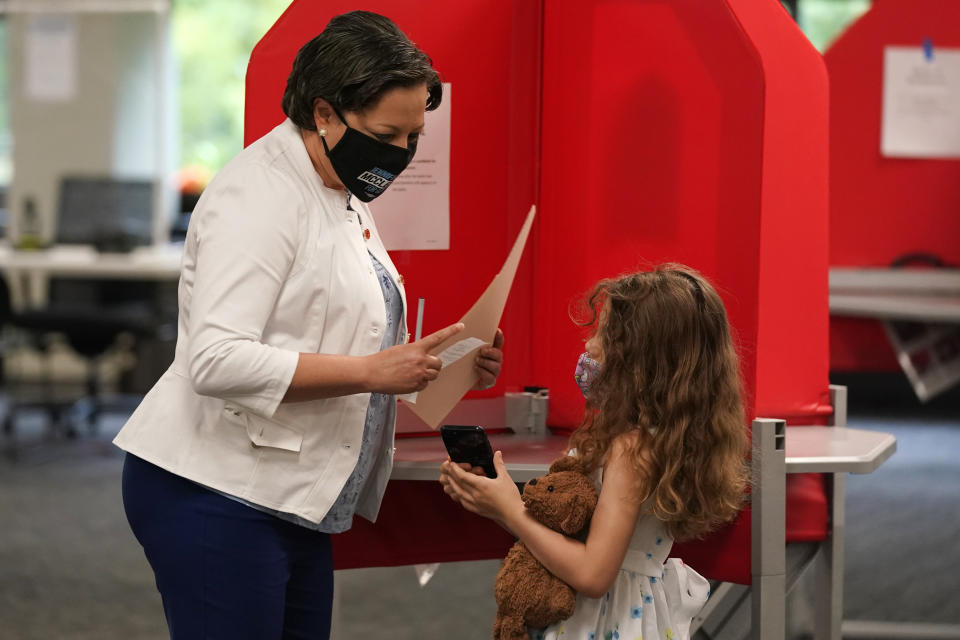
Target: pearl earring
{"type": "Point", "coordinates": [322, 132]}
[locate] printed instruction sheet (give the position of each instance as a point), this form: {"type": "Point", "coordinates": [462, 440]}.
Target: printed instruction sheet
{"type": "Point", "coordinates": [921, 103]}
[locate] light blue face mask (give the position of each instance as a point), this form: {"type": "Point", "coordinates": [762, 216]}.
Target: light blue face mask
{"type": "Point", "coordinates": [587, 369]}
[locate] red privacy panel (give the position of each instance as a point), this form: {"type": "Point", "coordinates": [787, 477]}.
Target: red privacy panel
{"type": "Point", "coordinates": [883, 207]}
{"type": "Point", "coordinates": [651, 150]}
{"type": "Point", "coordinates": [489, 51]}
{"type": "Point", "coordinates": [693, 132]}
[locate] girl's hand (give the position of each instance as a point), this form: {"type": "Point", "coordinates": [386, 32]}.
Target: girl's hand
{"type": "Point", "coordinates": [495, 498]}
{"type": "Point", "coordinates": [407, 367]}
{"type": "Point", "coordinates": [489, 361]}
{"type": "Point", "coordinates": [445, 478]}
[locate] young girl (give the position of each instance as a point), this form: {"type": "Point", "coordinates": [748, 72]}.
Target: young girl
{"type": "Point", "coordinates": [664, 436]}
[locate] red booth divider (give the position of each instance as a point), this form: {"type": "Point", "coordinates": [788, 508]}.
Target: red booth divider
{"type": "Point", "coordinates": [693, 131]}
{"type": "Point", "coordinates": [882, 208]}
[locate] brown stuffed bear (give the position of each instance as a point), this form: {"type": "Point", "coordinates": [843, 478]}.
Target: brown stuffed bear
{"type": "Point", "coordinates": [527, 594]}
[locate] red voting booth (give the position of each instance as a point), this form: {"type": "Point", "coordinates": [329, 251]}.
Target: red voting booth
{"type": "Point", "coordinates": [693, 131]}
{"type": "Point", "coordinates": [882, 208]}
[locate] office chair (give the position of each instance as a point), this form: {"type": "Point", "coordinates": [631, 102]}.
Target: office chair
{"type": "Point", "coordinates": [20, 394]}
{"type": "Point", "coordinates": [111, 215]}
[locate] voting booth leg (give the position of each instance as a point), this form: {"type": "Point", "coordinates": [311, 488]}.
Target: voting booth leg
{"type": "Point", "coordinates": [725, 614]}
{"type": "Point", "coordinates": [828, 608]}
{"type": "Point", "coordinates": [768, 529]}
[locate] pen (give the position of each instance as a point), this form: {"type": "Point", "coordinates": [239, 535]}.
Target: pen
{"type": "Point", "coordinates": [419, 320]}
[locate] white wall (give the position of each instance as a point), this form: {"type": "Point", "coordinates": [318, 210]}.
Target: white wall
{"type": "Point", "coordinates": [108, 128]}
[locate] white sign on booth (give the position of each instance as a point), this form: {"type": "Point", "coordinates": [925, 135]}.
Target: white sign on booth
{"type": "Point", "coordinates": [921, 103]}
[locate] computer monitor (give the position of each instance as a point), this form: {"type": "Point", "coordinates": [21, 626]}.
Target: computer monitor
{"type": "Point", "coordinates": [112, 214]}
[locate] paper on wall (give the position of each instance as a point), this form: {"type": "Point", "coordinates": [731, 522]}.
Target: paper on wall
{"type": "Point", "coordinates": [481, 322]}
{"type": "Point", "coordinates": [921, 103]}
{"type": "Point", "coordinates": [50, 58]}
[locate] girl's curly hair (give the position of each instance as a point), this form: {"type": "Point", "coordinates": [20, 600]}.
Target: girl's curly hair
{"type": "Point", "coordinates": [670, 373]}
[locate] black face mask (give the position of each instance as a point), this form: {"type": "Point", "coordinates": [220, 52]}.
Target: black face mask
{"type": "Point", "coordinates": [366, 166]}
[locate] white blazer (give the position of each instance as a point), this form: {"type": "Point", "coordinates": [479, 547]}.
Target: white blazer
{"type": "Point", "coordinates": [274, 264]}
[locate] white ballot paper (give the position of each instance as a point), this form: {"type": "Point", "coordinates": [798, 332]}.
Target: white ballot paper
{"type": "Point", "coordinates": [480, 327]}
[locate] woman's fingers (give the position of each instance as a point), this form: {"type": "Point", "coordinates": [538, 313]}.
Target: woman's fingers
{"type": "Point", "coordinates": [433, 363]}
{"type": "Point", "coordinates": [438, 337]}
{"type": "Point", "coordinates": [408, 367]}
{"type": "Point", "coordinates": [489, 362]}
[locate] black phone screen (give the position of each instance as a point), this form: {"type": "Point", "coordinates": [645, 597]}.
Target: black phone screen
{"type": "Point", "coordinates": [469, 443]}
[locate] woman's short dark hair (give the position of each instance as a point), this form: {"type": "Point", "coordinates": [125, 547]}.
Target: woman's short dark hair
{"type": "Point", "coordinates": [357, 58]}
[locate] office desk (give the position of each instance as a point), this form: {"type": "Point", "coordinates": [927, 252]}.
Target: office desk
{"type": "Point", "coordinates": [29, 272]}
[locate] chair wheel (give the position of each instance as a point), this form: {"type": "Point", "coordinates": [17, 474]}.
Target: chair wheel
{"type": "Point", "coordinates": [93, 422]}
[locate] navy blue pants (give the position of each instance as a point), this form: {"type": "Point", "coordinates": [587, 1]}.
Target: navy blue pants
{"type": "Point", "coordinates": [226, 571]}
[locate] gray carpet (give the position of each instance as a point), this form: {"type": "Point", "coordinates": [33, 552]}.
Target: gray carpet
{"type": "Point", "coordinates": [903, 526]}
{"type": "Point", "coordinates": [69, 567]}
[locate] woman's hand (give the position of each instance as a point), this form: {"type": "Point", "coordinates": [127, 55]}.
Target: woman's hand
{"type": "Point", "coordinates": [489, 361]}
{"type": "Point", "coordinates": [409, 367]}
{"type": "Point", "coordinates": [495, 498]}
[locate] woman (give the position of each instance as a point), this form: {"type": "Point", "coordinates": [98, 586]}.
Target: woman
{"type": "Point", "coordinates": [274, 425]}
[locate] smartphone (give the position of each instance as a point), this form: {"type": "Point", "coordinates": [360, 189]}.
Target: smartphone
{"type": "Point", "coordinates": [469, 443]}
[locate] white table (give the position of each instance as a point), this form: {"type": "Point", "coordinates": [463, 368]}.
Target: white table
{"type": "Point", "coordinates": [29, 271]}
{"type": "Point", "coordinates": [924, 295]}
{"type": "Point", "coordinates": [810, 449]}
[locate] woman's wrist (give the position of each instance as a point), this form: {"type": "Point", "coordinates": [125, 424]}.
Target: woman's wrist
{"type": "Point", "coordinates": [365, 368]}
{"type": "Point", "coordinates": [355, 373]}
{"type": "Point", "coordinates": [326, 376]}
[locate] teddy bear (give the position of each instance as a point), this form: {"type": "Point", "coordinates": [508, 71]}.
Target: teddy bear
{"type": "Point", "coordinates": [527, 594]}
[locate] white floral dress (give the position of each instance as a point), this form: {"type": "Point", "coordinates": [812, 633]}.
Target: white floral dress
{"type": "Point", "coordinates": [652, 597]}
